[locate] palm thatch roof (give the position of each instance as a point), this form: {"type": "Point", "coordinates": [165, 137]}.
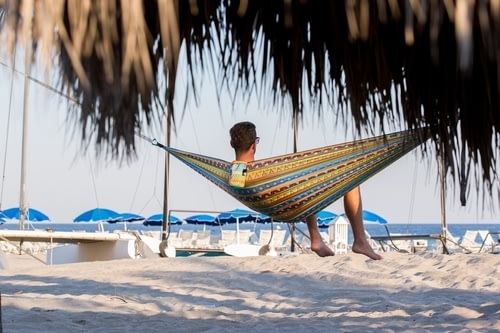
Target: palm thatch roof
{"type": "Point", "coordinates": [424, 62]}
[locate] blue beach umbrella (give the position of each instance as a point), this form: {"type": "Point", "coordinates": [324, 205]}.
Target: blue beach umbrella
{"type": "Point", "coordinates": [31, 214]}
{"type": "Point", "coordinates": [242, 215]}
{"type": "Point", "coordinates": [157, 220]}
{"type": "Point", "coordinates": [372, 217]}
{"type": "Point", "coordinates": [324, 218]}
{"type": "Point", "coordinates": [262, 218]}
{"type": "Point", "coordinates": [126, 217]}
{"type": "Point", "coordinates": [96, 214]}
{"type": "Point", "coordinates": [202, 219]}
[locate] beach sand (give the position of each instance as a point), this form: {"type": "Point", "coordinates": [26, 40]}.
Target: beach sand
{"type": "Point", "coordinates": [425, 292]}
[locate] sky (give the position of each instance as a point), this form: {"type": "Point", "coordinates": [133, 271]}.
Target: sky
{"type": "Point", "coordinates": [63, 180]}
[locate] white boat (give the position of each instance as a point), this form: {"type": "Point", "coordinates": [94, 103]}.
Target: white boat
{"type": "Point", "coordinates": [76, 246]}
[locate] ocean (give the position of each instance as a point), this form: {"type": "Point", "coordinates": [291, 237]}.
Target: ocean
{"type": "Point", "coordinates": [374, 229]}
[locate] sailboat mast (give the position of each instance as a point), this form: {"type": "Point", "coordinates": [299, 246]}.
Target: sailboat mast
{"type": "Point", "coordinates": [442, 175]}
{"type": "Point", "coordinates": [295, 121]}
{"type": "Point", "coordinates": [166, 223]}
{"type": "Point", "coordinates": [24, 149]}
{"type": "Point", "coordinates": [7, 128]}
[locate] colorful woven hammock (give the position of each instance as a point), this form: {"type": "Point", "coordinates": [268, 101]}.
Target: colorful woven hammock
{"type": "Point", "coordinates": [290, 187]}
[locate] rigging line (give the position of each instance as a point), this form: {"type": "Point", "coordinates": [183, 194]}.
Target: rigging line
{"type": "Point", "coordinates": [154, 142]}
{"type": "Point", "coordinates": [275, 133]}
{"type": "Point", "coordinates": [412, 196]}
{"type": "Point", "coordinates": [7, 129]}
{"type": "Point", "coordinates": [137, 133]}
{"type": "Point", "coordinates": [140, 174]}
{"type": "Point", "coordinates": [137, 186]}
{"type": "Point", "coordinates": [207, 183]}
{"type": "Point", "coordinates": [158, 155]}
{"type": "Point", "coordinates": [41, 83]}
{"type": "Point", "coordinates": [93, 182]}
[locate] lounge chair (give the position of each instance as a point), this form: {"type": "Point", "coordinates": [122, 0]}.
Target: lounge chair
{"type": "Point", "coordinates": [275, 238]}
{"type": "Point", "coordinates": [203, 239]}
{"type": "Point", "coordinates": [377, 246]}
{"type": "Point", "coordinates": [228, 237]}
{"type": "Point", "coordinates": [451, 242]}
{"type": "Point", "coordinates": [488, 244]}
{"type": "Point", "coordinates": [243, 236]}
{"type": "Point", "coordinates": [469, 241]}
{"type": "Point", "coordinates": [215, 241]}
{"type": "Point", "coordinates": [186, 237]}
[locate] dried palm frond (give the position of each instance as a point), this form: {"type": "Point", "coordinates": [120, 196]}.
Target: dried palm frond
{"type": "Point", "coordinates": [433, 63]}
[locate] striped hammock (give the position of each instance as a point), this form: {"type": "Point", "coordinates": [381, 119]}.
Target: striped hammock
{"type": "Point", "coordinates": [290, 187]}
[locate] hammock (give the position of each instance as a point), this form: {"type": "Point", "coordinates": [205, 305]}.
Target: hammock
{"type": "Point", "coordinates": [290, 187]}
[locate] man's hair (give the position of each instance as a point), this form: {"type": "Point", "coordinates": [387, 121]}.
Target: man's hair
{"type": "Point", "coordinates": [242, 134]}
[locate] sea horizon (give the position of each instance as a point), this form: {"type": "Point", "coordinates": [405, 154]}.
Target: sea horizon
{"type": "Point", "coordinates": [373, 229]}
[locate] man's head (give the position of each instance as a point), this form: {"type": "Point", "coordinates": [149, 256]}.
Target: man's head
{"type": "Point", "coordinates": [243, 136]}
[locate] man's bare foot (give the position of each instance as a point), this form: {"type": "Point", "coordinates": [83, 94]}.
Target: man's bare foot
{"type": "Point", "coordinates": [321, 249]}
{"type": "Point", "coordinates": [366, 249]}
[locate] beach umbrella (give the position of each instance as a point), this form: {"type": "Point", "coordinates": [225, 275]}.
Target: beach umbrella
{"type": "Point", "coordinates": [372, 217]}
{"type": "Point", "coordinates": [126, 217]}
{"type": "Point", "coordinates": [174, 220]}
{"type": "Point", "coordinates": [262, 218]}
{"type": "Point", "coordinates": [96, 214]}
{"type": "Point", "coordinates": [31, 214]}
{"type": "Point", "coordinates": [324, 218]}
{"type": "Point", "coordinates": [202, 219]}
{"type": "Point", "coordinates": [240, 215]}
{"type": "Point", "coordinates": [157, 220]}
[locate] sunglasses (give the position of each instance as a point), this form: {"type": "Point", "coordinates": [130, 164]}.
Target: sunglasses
{"type": "Point", "coordinates": [257, 139]}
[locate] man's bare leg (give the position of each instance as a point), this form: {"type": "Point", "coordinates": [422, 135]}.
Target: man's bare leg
{"type": "Point", "coordinates": [317, 244]}
{"type": "Point", "coordinates": [353, 209]}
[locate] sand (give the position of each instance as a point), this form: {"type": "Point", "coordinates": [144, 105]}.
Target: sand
{"type": "Point", "coordinates": [425, 292]}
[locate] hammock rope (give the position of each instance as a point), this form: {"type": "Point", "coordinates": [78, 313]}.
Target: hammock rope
{"type": "Point", "coordinates": [290, 187]}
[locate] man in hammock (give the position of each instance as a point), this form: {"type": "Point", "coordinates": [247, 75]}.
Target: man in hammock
{"type": "Point", "coordinates": [244, 141]}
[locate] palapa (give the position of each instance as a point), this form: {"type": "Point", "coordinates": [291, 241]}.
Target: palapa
{"type": "Point", "coordinates": [427, 63]}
